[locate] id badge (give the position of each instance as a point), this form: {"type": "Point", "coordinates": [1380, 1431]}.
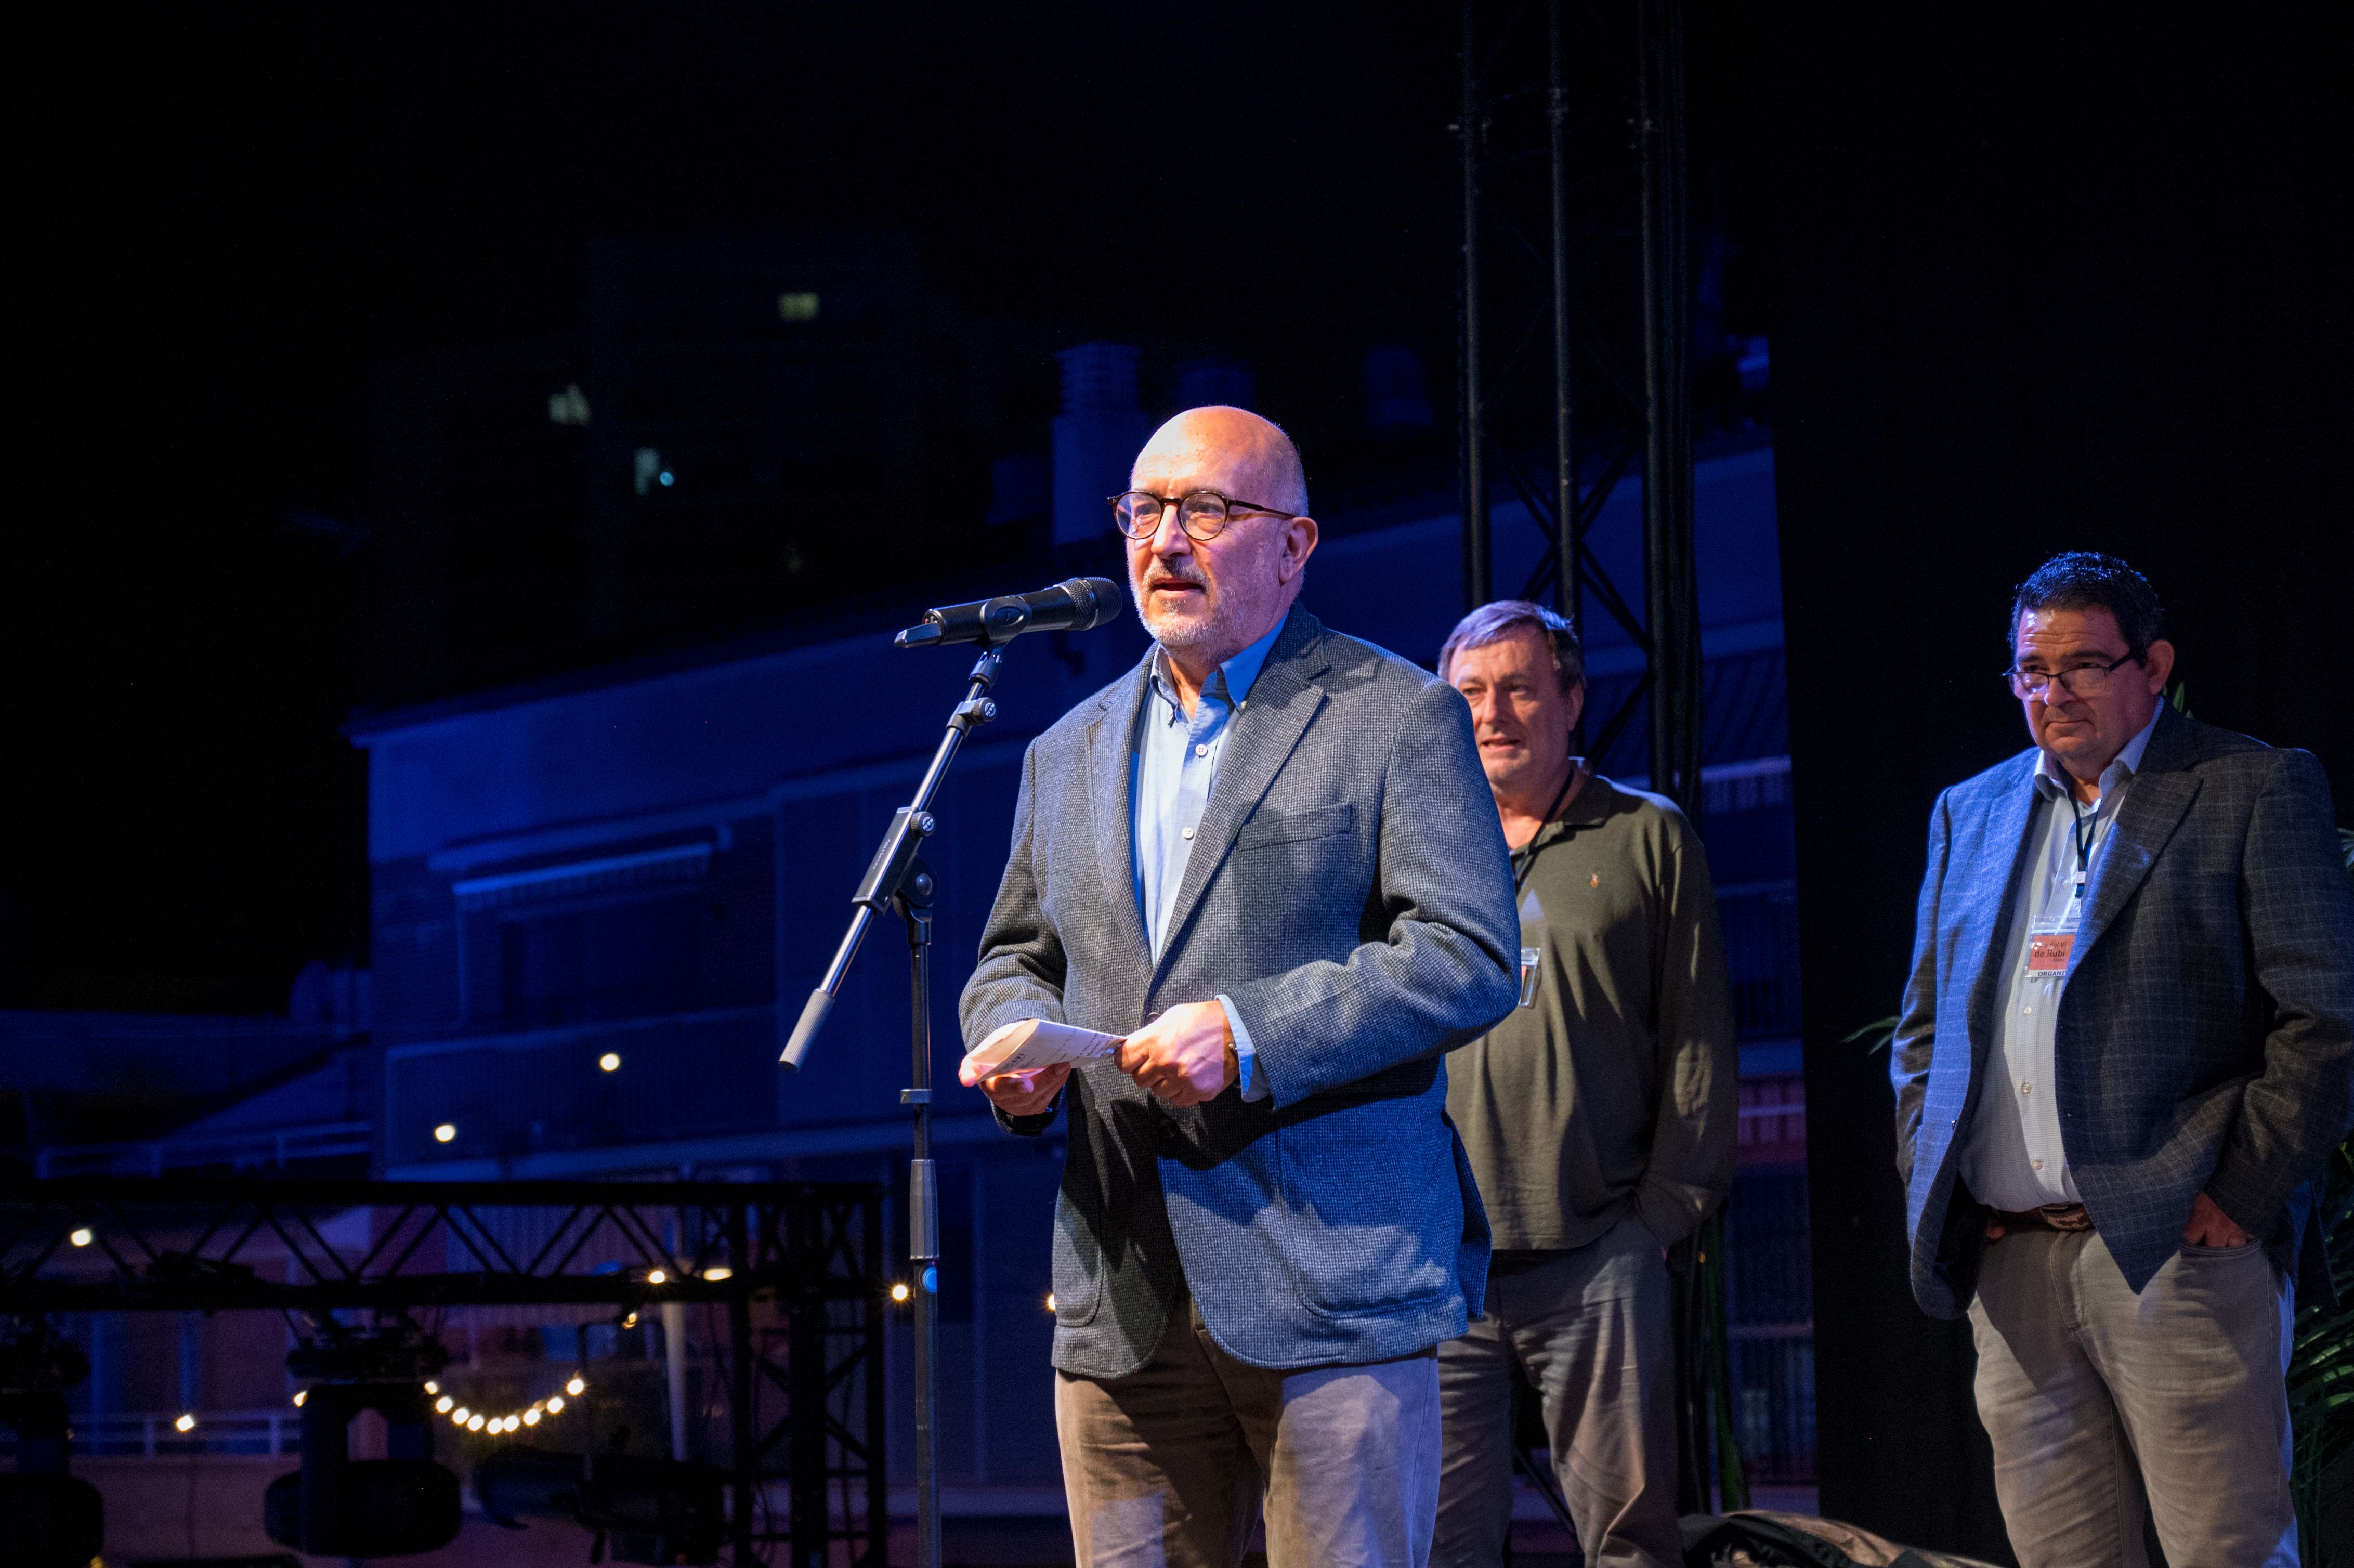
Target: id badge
{"type": "Point", "coordinates": [1530, 958]}
{"type": "Point", "coordinates": [2052, 939]}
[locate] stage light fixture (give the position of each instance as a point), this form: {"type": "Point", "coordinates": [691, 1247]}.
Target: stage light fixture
{"type": "Point", "coordinates": [186, 1423]}
{"type": "Point", "coordinates": [336, 1506]}
{"type": "Point", "coordinates": [300, 1396]}
{"type": "Point", "coordinates": [81, 1236]}
{"type": "Point", "coordinates": [47, 1515]}
{"type": "Point", "coordinates": [445, 1132]}
{"type": "Point", "coordinates": [717, 1272]}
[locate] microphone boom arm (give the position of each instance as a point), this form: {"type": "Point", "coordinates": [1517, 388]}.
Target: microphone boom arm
{"type": "Point", "coordinates": [887, 875]}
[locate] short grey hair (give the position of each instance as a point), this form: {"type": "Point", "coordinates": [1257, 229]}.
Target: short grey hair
{"type": "Point", "coordinates": [1494, 623]}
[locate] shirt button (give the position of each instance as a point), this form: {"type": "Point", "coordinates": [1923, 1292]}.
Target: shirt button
{"type": "Point", "coordinates": [2026, 1088]}
{"type": "Point", "coordinates": [1188, 834]}
{"type": "Point", "coordinates": [2037, 1163]}
{"type": "Point", "coordinates": [2029, 1011]}
{"type": "Point", "coordinates": [1202, 750]}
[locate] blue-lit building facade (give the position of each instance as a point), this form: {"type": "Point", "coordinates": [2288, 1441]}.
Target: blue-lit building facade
{"type": "Point", "coordinates": [599, 903]}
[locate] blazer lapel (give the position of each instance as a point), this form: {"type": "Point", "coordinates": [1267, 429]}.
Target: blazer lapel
{"type": "Point", "coordinates": [1110, 738]}
{"type": "Point", "coordinates": [1996, 894]}
{"type": "Point", "coordinates": [2153, 807]}
{"type": "Point", "coordinates": [1283, 702]}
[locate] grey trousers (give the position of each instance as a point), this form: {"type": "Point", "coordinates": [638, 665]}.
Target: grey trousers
{"type": "Point", "coordinates": [1169, 1467]}
{"type": "Point", "coordinates": [2105, 1407]}
{"type": "Point", "coordinates": [1590, 1328]}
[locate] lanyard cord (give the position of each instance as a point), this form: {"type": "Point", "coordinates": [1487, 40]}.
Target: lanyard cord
{"type": "Point", "coordinates": [2084, 841]}
{"type": "Point", "coordinates": [1525, 857]}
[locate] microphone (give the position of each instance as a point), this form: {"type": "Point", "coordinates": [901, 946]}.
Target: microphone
{"type": "Point", "coordinates": [1081, 604]}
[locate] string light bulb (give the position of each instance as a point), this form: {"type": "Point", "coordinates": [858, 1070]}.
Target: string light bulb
{"type": "Point", "coordinates": [444, 1403]}
{"type": "Point", "coordinates": [576, 1388]}
{"type": "Point", "coordinates": [556, 1404]}
{"type": "Point", "coordinates": [186, 1423]}
{"type": "Point", "coordinates": [657, 1275]}
{"type": "Point", "coordinates": [899, 1290]}
{"type": "Point", "coordinates": [81, 1236]}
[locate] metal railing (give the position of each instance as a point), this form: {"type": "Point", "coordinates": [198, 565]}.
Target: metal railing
{"type": "Point", "coordinates": [257, 1151]}
{"type": "Point", "coordinates": [157, 1434]}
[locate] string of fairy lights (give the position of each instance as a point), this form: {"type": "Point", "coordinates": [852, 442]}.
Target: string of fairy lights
{"type": "Point", "coordinates": [475, 1421]}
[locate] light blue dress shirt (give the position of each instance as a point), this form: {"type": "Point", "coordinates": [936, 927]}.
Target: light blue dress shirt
{"type": "Point", "coordinates": [2014, 1158]}
{"type": "Point", "coordinates": [1169, 789]}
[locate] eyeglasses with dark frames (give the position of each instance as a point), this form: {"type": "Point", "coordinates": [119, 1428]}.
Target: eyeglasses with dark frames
{"type": "Point", "coordinates": [1201, 513]}
{"type": "Point", "coordinates": [2076, 681]}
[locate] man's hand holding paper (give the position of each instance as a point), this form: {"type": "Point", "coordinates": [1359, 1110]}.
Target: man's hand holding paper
{"type": "Point", "coordinates": [1024, 1065]}
{"type": "Point", "coordinates": [1186, 1055]}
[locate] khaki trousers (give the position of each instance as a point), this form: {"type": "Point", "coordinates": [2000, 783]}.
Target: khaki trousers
{"type": "Point", "coordinates": [1590, 1329]}
{"type": "Point", "coordinates": [2107, 1408]}
{"type": "Point", "coordinates": [1170, 1466]}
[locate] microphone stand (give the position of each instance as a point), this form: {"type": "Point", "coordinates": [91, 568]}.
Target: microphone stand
{"type": "Point", "coordinates": [898, 879]}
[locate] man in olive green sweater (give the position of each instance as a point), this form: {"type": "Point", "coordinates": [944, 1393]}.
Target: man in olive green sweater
{"type": "Point", "coordinates": [1599, 1115]}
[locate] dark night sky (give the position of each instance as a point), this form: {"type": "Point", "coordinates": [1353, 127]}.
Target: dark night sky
{"type": "Point", "coordinates": [236, 213]}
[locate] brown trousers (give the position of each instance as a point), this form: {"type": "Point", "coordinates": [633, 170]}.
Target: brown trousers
{"type": "Point", "coordinates": [1170, 1466]}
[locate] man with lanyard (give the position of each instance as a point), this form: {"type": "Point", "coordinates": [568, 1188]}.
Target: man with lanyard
{"type": "Point", "coordinates": [2122, 1061]}
{"type": "Point", "coordinates": [1599, 1115]}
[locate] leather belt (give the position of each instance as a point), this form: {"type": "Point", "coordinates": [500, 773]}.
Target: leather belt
{"type": "Point", "coordinates": [2050, 1217]}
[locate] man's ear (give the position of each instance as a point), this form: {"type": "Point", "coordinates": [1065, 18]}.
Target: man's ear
{"type": "Point", "coordinates": [1576, 703]}
{"type": "Point", "coordinates": [1299, 537]}
{"type": "Point", "coordinates": [2160, 661]}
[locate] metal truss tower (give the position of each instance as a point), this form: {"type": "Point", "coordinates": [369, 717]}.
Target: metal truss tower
{"type": "Point", "coordinates": [798, 1269]}
{"type": "Point", "coordinates": [1576, 267]}
{"type": "Point", "coordinates": [1574, 322]}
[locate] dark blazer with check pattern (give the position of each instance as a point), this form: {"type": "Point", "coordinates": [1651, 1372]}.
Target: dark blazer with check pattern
{"type": "Point", "coordinates": [1349, 890]}
{"type": "Point", "coordinates": [2203, 1036]}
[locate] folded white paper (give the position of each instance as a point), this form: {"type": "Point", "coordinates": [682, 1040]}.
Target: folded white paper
{"type": "Point", "coordinates": [1029, 1044]}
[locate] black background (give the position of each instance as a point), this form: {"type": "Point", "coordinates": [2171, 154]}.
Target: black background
{"type": "Point", "coordinates": [2050, 282]}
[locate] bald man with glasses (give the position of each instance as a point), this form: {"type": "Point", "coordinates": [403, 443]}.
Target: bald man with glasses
{"type": "Point", "coordinates": [1264, 858]}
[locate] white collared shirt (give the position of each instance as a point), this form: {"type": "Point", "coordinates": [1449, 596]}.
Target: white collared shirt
{"type": "Point", "coordinates": [2013, 1157]}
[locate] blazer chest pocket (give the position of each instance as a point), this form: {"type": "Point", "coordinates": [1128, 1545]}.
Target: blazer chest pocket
{"type": "Point", "coordinates": [1297, 827]}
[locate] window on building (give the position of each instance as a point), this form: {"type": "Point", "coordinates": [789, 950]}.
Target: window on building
{"type": "Point", "coordinates": [611, 960]}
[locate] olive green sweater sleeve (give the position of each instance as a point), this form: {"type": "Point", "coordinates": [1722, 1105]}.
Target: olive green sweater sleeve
{"type": "Point", "coordinates": [1690, 1167]}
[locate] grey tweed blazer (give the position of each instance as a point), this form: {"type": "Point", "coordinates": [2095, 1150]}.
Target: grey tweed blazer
{"type": "Point", "coordinates": [2204, 1039]}
{"type": "Point", "coordinates": [1349, 890]}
